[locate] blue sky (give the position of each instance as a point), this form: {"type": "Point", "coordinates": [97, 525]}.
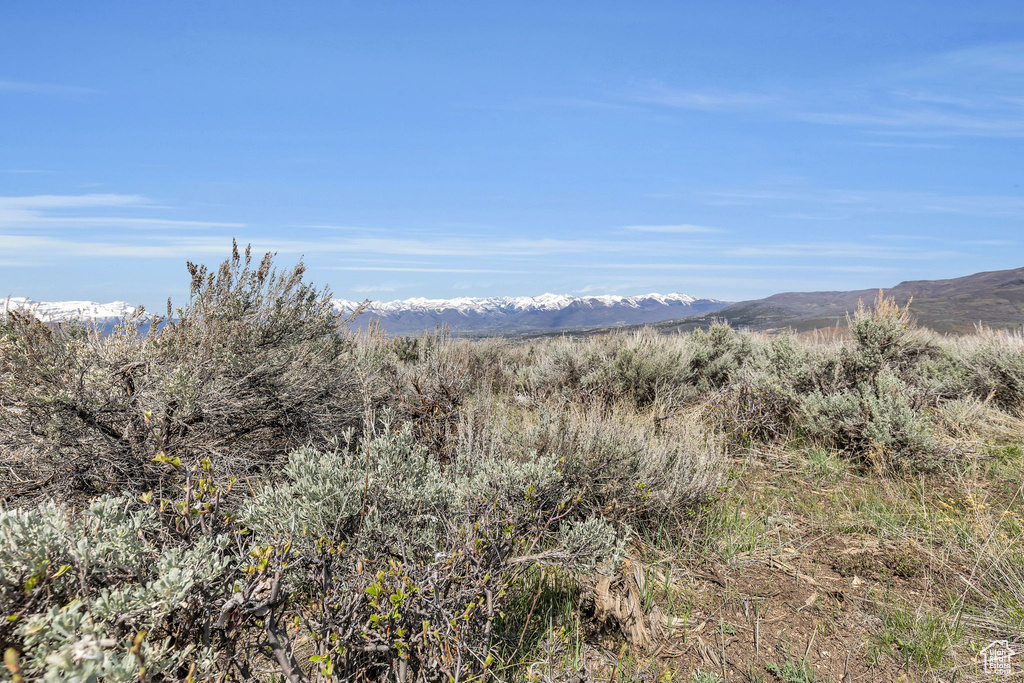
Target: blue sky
{"type": "Point", "coordinates": [721, 149]}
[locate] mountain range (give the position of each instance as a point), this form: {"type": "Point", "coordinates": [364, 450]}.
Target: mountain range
{"type": "Point", "coordinates": [464, 315]}
{"type": "Point", "coordinates": [104, 315]}
{"type": "Point", "coordinates": [994, 299]}
{"type": "Point", "coordinates": [507, 315]}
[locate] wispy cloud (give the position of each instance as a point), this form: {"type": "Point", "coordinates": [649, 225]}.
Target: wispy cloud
{"type": "Point", "coordinates": [403, 269]}
{"type": "Point", "coordinates": [904, 145]}
{"type": "Point", "coordinates": [126, 222]}
{"type": "Point", "coordinates": [997, 57]}
{"type": "Point", "coordinates": [42, 223]}
{"type": "Point", "coordinates": [1001, 120]}
{"type": "Point", "coordinates": [45, 211]}
{"type": "Point", "coordinates": [478, 247]}
{"type": "Point", "coordinates": [369, 289]}
{"type": "Point", "coordinates": [46, 246]}
{"type": "Point", "coordinates": [326, 226]}
{"type": "Point", "coordinates": [727, 267]}
{"type": "Point", "coordinates": [973, 92]}
{"type": "Point", "coordinates": [178, 246]}
{"type": "Point", "coordinates": [847, 250]}
{"type": "Point", "coordinates": [61, 201]}
{"type": "Point", "coordinates": [583, 103]}
{"type": "Point", "coordinates": [673, 229]}
{"type": "Point", "coordinates": [847, 202]}
{"type": "Point", "coordinates": [991, 243]}
{"type": "Point", "coordinates": [661, 94]}
{"type": "Point", "coordinates": [900, 237]}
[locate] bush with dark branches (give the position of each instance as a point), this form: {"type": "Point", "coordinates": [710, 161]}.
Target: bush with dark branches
{"type": "Point", "coordinates": [256, 363]}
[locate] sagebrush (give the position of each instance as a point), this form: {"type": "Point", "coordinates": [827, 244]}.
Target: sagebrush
{"type": "Point", "coordinates": [242, 487]}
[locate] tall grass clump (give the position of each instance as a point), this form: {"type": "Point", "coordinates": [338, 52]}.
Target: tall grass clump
{"type": "Point", "coordinates": [629, 469]}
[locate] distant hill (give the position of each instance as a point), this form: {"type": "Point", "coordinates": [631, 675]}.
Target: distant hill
{"type": "Point", "coordinates": [995, 299]}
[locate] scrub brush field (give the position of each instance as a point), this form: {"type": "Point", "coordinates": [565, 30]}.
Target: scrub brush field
{"type": "Point", "coordinates": [244, 488]}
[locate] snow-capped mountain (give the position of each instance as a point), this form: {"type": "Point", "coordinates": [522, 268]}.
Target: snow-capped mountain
{"type": "Point", "coordinates": [524, 313]}
{"type": "Point", "coordinates": [464, 314]}
{"type": "Point", "coordinates": [57, 311]}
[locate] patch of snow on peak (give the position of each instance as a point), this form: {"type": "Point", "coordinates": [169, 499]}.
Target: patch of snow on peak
{"type": "Point", "coordinates": [544, 302]}
{"type": "Point", "coordinates": [55, 311]}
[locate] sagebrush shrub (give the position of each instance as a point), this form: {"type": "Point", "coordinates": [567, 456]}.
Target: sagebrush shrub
{"type": "Point", "coordinates": [427, 392]}
{"type": "Point", "coordinates": [758, 406]}
{"type": "Point", "coordinates": [640, 368]}
{"type": "Point", "coordinates": [886, 337]}
{"type": "Point", "coordinates": [93, 597]}
{"type": "Point", "coordinates": [405, 542]}
{"type": "Point", "coordinates": [255, 364]}
{"type": "Point", "coordinates": [716, 356]}
{"type": "Point", "coordinates": [875, 419]}
{"type": "Point", "coordinates": [994, 367]}
{"type": "Point", "coordinates": [616, 466]}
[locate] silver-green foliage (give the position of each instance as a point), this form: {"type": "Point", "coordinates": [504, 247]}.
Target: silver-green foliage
{"type": "Point", "coordinates": [85, 585]}
{"type": "Point", "coordinates": [388, 495]}
{"type": "Point", "coordinates": [876, 418]}
{"type": "Point", "coordinates": [626, 470]}
{"type": "Point", "coordinates": [994, 366]}
{"type": "Point", "coordinates": [417, 551]}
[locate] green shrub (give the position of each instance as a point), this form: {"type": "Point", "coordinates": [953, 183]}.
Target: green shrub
{"type": "Point", "coordinates": [875, 420]}
{"type": "Point", "coordinates": [427, 392]}
{"type": "Point", "coordinates": [994, 367]}
{"type": "Point", "coordinates": [558, 368]}
{"type": "Point", "coordinates": [716, 356]}
{"type": "Point", "coordinates": [417, 554]}
{"type": "Point", "coordinates": [618, 467]}
{"type": "Point", "coordinates": [759, 406]}
{"type": "Point", "coordinates": [376, 558]}
{"type": "Point", "coordinates": [641, 369]}
{"type": "Point", "coordinates": [886, 337]}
